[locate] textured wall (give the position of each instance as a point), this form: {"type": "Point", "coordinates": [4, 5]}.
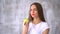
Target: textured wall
{"type": "Point", "coordinates": [12, 13]}
{"type": "Point", "coordinates": [53, 17]}
{"type": "Point", "coordinates": [10, 16]}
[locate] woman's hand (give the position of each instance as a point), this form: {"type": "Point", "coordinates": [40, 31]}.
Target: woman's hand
{"type": "Point", "coordinates": [25, 27]}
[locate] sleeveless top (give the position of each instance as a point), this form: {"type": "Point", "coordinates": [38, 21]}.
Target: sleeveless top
{"type": "Point", "coordinates": [38, 28]}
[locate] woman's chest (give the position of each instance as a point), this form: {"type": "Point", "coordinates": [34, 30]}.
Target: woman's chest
{"type": "Point", "coordinates": [35, 29]}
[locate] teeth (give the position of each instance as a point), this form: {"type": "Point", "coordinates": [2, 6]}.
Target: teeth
{"type": "Point", "coordinates": [26, 21]}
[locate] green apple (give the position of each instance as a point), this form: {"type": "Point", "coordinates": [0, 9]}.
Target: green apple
{"type": "Point", "coordinates": [26, 21]}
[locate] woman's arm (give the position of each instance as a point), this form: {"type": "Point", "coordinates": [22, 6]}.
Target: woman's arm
{"type": "Point", "coordinates": [46, 31]}
{"type": "Point", "coordinates": [26, 25]}
{"type": "Point", "coordinates": [25, 29]}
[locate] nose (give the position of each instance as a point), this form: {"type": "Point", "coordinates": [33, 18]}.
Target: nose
{"type": "Point", "coordinates": [32, 11]}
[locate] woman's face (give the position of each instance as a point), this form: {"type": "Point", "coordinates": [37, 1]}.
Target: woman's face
{"type": "Point", "coordinates": [33, 11]}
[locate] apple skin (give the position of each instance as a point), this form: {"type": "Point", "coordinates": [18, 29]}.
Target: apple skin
{"type": "Point", "coordinates": [26, 21]}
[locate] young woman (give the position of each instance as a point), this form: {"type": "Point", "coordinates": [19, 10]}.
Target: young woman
{"type": "Point", "coordinates": [37, 23]}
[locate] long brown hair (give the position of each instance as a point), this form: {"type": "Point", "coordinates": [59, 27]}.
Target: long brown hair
{"type": "Point", "coordinates": [40, 12]}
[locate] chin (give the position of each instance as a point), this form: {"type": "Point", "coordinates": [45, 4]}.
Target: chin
{"type": "Point", "coordinates": [33, 16]}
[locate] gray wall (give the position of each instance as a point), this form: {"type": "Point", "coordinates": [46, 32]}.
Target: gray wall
{"type": "Point", "coordinates": [12, 13]}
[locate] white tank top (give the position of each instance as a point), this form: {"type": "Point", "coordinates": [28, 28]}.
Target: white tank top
{"type": "Point", "coordinates": [38, 28]}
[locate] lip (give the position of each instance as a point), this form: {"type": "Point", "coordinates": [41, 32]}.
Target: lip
{"type": "Point", "coordinates": [33, 14]}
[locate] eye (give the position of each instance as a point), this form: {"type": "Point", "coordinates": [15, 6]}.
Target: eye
{"type": "Point", "coordinates": [35, 9]}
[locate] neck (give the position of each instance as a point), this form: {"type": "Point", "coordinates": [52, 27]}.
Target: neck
{"type": "Point", "coordinates": [36, 20]}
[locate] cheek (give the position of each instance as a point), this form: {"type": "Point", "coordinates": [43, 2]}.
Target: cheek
{"type": "Point", "coordinates": [31, 13]}
{"type": "Point", "coordinates": [34, 13]}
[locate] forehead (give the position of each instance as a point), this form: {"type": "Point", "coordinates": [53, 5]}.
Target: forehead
{"type": "Point", "coordinates": [33, 7]}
